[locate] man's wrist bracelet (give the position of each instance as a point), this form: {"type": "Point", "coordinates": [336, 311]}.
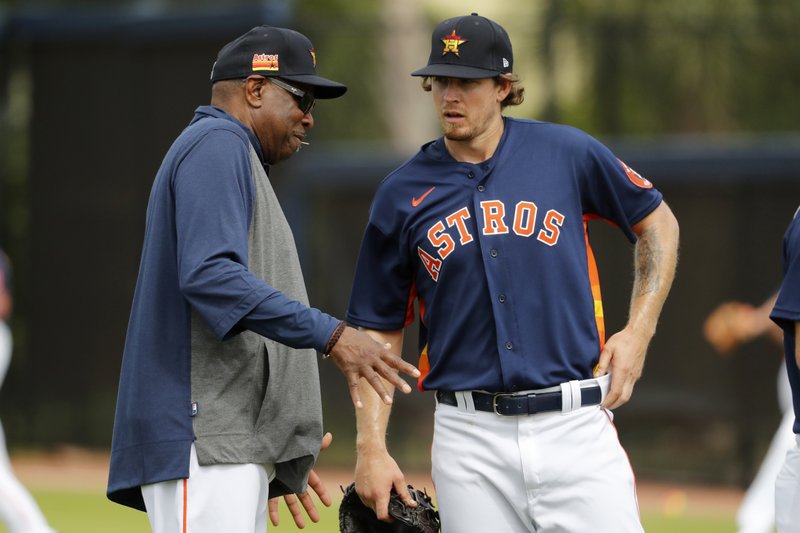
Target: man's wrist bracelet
{"type": "Point", "coordinates": [334, 339]}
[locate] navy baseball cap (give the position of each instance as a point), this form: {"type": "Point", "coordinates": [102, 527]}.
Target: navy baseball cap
{"type": "Point", "coordinates": [468, 47]}
{"type": "Point", "coordinates": [279, 52]}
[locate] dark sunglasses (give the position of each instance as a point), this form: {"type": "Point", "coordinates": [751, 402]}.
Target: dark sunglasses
{"type": "Point", "coordinates": [305, 99]}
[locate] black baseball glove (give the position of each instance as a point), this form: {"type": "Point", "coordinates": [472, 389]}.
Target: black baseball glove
{"type": "Point", "coordinates": [355, 517]}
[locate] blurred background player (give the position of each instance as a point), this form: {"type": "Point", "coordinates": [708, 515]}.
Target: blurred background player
{"type": "Point", "coordinates": [786, 314]}
{"type": "Point", "coordinates": [17, 507]}
{"type": "Point", "coordinates": [728, 326]}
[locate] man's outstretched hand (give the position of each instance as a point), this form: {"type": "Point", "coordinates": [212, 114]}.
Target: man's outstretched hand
{"type": "Point", "coordinates": [359, 356]}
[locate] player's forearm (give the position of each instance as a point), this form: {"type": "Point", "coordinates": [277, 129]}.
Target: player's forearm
{"type": "Point", "coordinates": [372, 420]}
{"type": "Point", "coordinates": [656, 257]}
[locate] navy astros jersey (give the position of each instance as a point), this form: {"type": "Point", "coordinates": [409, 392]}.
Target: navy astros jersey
{"type": "Point", "coordinates": [787, 309]}
{"type": "Point", "coordinates": [498, 256]}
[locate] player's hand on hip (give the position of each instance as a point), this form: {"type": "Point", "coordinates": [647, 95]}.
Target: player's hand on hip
{"type": "Point", "coordinates": [293, 501]}
{"type": "Point", "coordinates": [376, 474]}
{"type": "Point", "coordinates": [623, 356]}
{"type": "Point", "coordinates": [359, 356]}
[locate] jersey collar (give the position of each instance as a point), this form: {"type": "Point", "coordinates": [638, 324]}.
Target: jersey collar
{"type": "Point", "coordinates": [216, 112]}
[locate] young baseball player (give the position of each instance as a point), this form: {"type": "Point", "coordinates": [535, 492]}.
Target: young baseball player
{"type": "Point", "coordinates": [486, 227]}
{"type": "Point", "coordinates": [786, 314]}
{"type": "Point", "coordinates": [728, 325]}
{"type": "Point", "coordinates": [219, 402]}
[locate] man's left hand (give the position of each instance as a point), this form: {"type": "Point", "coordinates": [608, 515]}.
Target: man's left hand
{"type": "Point", "coordinates": [293, 501]}
{"type": "Point", "coordinates": [623, 356]}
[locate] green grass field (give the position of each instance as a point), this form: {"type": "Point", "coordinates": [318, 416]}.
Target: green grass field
{"type": "Point", "coordinates": [91, 512]}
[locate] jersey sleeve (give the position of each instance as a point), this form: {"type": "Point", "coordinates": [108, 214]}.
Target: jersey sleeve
{"type": "Point", "coordinates": [214, 199]}
{"type": "Point", "coordinates": [383, 278]}
{"type": "Point", "coordinates": [612, 190]}
{"type": "Point", "coordinates": [787, 306]}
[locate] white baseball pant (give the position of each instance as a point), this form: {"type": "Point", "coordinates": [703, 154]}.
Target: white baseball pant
{"type": "Point", "coordinates": [787, 492]}
{"type": "Point", "coordinates": [756, 513]}
{"type": "Point", "coordinates": [229, 498]}
{"type": "Point", "coordinates": [544, 473]}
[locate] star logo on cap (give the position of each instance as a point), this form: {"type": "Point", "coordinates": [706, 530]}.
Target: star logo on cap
{"type": "Point", "coordinates": [451, 43]}
{"type": "Point", "coordinates": [313, 57]}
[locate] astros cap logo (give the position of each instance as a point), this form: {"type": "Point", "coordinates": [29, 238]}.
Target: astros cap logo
{"type": "Point", "coordinates": [451, 43]}
{"type": "Point", "coordinates": [313, 57]}
{"type": "Point", "coordinates": [265, 61]}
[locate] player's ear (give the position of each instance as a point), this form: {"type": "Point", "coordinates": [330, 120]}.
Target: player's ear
{"type": "Point", "coordinates": [255, 90]}
{"type": "Point", "coordinates": [503, 88]}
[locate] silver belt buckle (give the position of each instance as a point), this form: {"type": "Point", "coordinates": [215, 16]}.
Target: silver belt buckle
{"type": "Point", "coordinates": [494, 402]}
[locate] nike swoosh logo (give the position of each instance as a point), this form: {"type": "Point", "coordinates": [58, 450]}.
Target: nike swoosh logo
{"type": "Point", "coordinates": [416, 201]}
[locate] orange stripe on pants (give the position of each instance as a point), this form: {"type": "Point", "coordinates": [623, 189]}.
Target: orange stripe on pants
{"type": "Point", "coordinates": [185, 502]}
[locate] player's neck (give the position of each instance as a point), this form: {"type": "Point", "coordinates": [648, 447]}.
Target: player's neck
{"type": "Point", "coordinates": [478, 148]}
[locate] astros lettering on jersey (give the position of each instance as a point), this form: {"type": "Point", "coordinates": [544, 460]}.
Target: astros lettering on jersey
{"type": "Point", "coordinates": [457, 235]}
